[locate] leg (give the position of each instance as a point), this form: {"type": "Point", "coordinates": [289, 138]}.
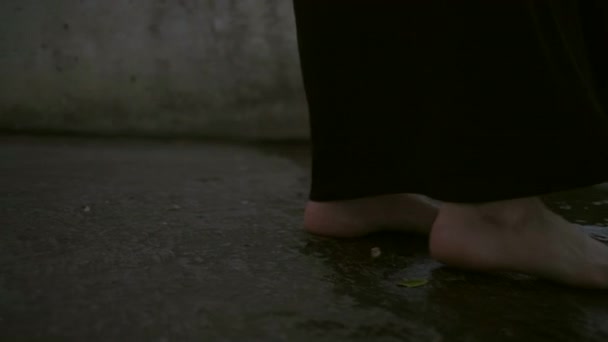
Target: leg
{"type": "Point", "coordinates": [353, 191]}
{"type": "Point", "coordinates": [468, 103]}
{"type": "Point", "coordinates": [523, 234]}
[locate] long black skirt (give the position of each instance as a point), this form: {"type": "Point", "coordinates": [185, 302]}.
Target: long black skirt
{"type": "Point", "coordinates": [463, 101]}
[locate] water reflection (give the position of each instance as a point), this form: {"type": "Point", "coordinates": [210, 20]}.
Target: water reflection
{"type": "Point", "coordinates": [455, 305]}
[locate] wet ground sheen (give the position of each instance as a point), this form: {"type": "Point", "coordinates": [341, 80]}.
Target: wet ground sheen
{"type": "Point", "coordinates": [185, 241]}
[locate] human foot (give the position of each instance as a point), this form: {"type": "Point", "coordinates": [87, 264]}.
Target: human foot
{"type": "Point", "coordinates": [518, 235]}
{"type": "Point", "coordinates": [358, 217]}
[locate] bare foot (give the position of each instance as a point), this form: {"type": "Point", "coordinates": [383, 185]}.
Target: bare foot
{"type": "Point", "coordinates": [520, 235]}
{"type": "Point", "coordinates": [358, 217]}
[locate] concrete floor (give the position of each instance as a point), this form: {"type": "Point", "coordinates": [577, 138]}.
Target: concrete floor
{"type": "Point", "coordinates": [176, 241]}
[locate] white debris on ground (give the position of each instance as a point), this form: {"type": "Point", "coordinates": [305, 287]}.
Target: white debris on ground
{"type": "Point", "coordinates": [375, 252]}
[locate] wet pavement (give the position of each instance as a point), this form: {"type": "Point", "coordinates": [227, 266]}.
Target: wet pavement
{"type": "Point", "coordinates": [183, 241]}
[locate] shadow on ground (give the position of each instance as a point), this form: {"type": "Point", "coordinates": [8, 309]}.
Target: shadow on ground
{"type": "Point", "coordinates": [178, 241]}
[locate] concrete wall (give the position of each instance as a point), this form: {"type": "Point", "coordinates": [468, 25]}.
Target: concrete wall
{"type": "Point", "coordinates": [209, 68]}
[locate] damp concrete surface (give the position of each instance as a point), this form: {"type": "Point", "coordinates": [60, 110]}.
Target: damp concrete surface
{"type": "Point", "coordinates": [123, 240]}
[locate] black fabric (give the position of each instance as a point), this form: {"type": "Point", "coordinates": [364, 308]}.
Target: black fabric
{"type": "Point", "coordinates": [463, 101]}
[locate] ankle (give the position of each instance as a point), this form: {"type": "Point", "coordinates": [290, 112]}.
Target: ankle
{"type": "Point", "coordinates": [357, 217]}
{"type": "Point", "coordinates": [332, 219]}
{"type": "Point", "coordinates": [504, 213]}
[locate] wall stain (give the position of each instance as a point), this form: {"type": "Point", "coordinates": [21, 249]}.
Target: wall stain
{"type": "Point", "coordinates": [63, 61]}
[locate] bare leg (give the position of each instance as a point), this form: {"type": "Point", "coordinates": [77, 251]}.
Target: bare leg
{"type": "Point", "coordinates": [520, 235]}
{"type": "Point", "coordinates": [358, 217]}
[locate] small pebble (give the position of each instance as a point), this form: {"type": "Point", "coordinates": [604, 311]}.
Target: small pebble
{"type": "Point", "coordinates": [86, 209]}
{"type": "Point", "coordinates": [375, 252]}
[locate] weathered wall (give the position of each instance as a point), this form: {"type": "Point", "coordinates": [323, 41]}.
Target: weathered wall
{"type": "Point", "coordinates": [210, 68]}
